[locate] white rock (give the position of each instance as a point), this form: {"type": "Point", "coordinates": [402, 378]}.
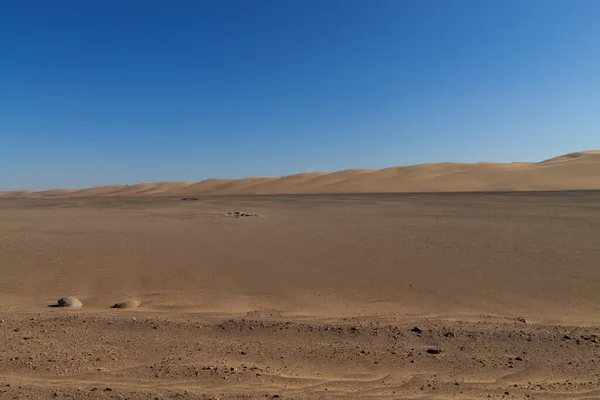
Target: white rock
{"type": "Point", "coordinates": [70, 302]}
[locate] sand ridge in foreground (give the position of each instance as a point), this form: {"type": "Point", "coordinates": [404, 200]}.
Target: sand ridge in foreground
{"type": "Point", "coordinates": [574, 171]}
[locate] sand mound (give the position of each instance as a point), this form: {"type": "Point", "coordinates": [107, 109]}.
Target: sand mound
{"type": "Point", "coordinates": [573, 171]}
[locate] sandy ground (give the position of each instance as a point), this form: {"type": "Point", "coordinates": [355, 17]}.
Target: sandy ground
{"type": "Point", "coordinates": [316, 298]}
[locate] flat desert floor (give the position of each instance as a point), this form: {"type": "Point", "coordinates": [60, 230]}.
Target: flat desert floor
{"type": "Point", "coordinates": [321, 296]}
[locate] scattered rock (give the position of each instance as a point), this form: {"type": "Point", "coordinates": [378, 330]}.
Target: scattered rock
{"type": "Point", "coordinates": [416, 330]}
{"type": "Point", "coordinates": [449, 334]}
{"type": "Point", "coordinates": [190, 199]}
{"type": "Point", "coordinates": [238, 214]}
{"type": "Point", "coordinates": [592, 338]}
{"type": "Point", "coordinates": [133, 303]}
{"type": "Point", "coordinates": [434, 350]}
{"type": "Point", "coordinates": [70, 302]}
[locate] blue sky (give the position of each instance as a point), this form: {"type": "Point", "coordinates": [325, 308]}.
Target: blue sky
{"type": "Point", "coordinates": [111, 91]}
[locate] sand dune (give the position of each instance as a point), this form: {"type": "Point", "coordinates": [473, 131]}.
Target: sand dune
{"type": "Point", "coordinates": [572, 171]}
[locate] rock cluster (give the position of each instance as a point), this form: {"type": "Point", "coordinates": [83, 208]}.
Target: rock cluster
{"type": "Point", "coordinates": [238, 214]}
{"type": "Point", "coordinates": [74, 302]}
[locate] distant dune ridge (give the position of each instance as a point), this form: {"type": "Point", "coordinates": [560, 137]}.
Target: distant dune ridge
{"type": "Point", "coordinates": [572, 171]}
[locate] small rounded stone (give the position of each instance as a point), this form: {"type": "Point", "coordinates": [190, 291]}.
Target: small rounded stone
{"type": "Point", "coordinates": [133, 303]}
{"type": "Point", "coordinates": [434, 350]}
{"type": "Point", "coordinates": [70, 302]}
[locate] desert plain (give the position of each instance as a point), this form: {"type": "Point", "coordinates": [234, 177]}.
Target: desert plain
{"type": "Point", "coordinates": [448, 295]}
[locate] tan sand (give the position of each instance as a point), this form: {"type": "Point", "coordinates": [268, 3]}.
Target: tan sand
{"type": "Point", "coordinates": [317, 298]}
{"type": "Point", "coordinates": [575, 171]}
{"type": "Point", "coordinates": [569, 172]}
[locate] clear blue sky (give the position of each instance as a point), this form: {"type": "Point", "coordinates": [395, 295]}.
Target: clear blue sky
{"type": "Point", "coordinates": [123, 91]}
